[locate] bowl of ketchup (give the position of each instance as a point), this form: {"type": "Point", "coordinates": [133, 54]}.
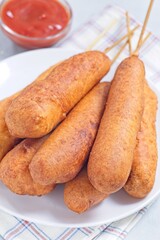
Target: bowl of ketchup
{"type": "Point", "coordinates": [35, 23]}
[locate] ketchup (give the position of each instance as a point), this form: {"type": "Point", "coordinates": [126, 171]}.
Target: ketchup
{"type": "Point", "coordinates": [35, 18]}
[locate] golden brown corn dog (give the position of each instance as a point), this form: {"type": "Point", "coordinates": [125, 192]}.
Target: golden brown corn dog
{"type": "Point", "coordinates": [43, 105]}
{"type": "Point", "coordinates": [80, 195]}
{"type": "Point", "coordinates": [14, 171]}
{"type": "Point", "coordinates": [142, 176]}
{"type": "Point", "coordinates": [63, 154]}
{"type": "Point", "coordinates": [7, 142]}
{"type": "Point", "coordinates": [112, 154]}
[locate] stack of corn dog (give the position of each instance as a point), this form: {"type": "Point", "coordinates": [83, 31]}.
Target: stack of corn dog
{"type": "Point", "coordinates": [68, 127]}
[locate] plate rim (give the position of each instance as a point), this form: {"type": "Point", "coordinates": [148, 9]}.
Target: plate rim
{"type": "Point", "coordinates": [41, 222]}
{"type": "Point", "coordinates": [76, 225]}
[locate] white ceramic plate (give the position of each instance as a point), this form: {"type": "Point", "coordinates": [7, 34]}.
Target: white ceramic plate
{"type": "Point", "coordinates": [15, 73]}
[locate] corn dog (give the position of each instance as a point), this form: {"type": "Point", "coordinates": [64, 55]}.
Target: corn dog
{"type": "Point", "coordinates": [14, 171]}
{"type": "Point", "coordinates": [7, 142]}
{"type": "Point", "coordinates": [142, 176]}
{"type": "Point", "coordinates": [112, 153]}
{"type": "Point", "coordinates": [80, 195]}
{"type": "Point", "coordinates": [42, 106]}
{"type": "Point", "coordinates": [64, 153]}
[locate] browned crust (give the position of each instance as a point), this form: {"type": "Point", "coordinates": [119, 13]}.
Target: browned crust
{"type": "Point", "coordinates": [112, 154]}
{"type": "Point", "coordinates": [43, 105]}
{"type": "Point", "coordinates": [14, 171]}
{"type": "Point", "coordinates": [80, 195]}
{"type": "Point", "coordinates": [142, 176]}
{"type": "Point", "coordinates": [7, 142]}
{"type": "Point", "coordinates": [63, 154]}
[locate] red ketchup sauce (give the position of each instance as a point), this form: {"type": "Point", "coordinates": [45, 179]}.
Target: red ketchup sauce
{"type": "Point", "coordinates": [35, 19]}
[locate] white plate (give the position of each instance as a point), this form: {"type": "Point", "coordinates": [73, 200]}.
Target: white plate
{"type": "Point", "coordinates": [15, 73]}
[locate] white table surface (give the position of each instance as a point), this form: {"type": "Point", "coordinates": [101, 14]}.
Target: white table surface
{"type": "Point", "coordinates": [148, 228]}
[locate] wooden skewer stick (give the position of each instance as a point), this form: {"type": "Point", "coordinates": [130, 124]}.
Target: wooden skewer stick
{"type": "Point", "coordinates": [120, 40]}
{"type": "Point", "coordinates": [145, 39]}
{"type": "Point", "coordinates": [129, 40]}
{"type": "Point", "coordinates": [144, 27]}
{"type": "Point", "coordinates": [129, 33]}
{"type": "Point", "coordinates": [124, 45]}
{"type": "Point", "coordinates": [119, 52]}
{"type": "Point", "coordinates": [101, 35]}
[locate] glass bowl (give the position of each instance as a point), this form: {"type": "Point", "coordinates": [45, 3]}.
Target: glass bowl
{"type": "Point", "coordinates": [36, 42]}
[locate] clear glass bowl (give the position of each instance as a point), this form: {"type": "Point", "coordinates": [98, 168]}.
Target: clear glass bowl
{"type": "Point", "coordinates": [37, 42]}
